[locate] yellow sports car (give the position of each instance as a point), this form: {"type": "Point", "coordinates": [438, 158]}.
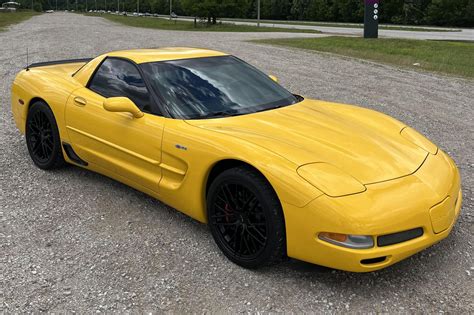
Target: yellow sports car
{"type": "Point", "coordinates": [272, 173]}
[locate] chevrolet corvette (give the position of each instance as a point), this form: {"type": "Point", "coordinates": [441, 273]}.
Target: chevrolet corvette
{"type": "Point", "coordinates": [272, 173]}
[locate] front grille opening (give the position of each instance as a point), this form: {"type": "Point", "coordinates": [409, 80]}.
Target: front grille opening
{"type": "Point", "coordinates": [400, 237]}
{"type": "Point", "coordinates": [372, 261]}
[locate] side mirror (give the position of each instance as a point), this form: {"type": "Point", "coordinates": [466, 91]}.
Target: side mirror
{"type": "Point", "coordinates": [122, 104]}
{"type": "Point", "coordinates": [274, 78]}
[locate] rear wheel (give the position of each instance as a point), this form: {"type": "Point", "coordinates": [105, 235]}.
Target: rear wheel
{"type": "Point", "coordinates": [42, 137]}
{"type": "Point", "coordinates": [246, 219]}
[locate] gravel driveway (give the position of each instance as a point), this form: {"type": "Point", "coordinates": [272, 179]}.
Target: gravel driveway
{"type": "Point", "coordinates": [74, 240]}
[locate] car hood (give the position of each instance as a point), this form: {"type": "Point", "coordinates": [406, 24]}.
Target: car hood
{"type": "Point", "coordinates": [363, 143]}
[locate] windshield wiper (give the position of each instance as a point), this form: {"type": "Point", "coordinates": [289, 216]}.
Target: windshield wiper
{"type": "Point", "coordinates": [223, 113]}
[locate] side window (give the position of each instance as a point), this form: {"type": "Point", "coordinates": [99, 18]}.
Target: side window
{"type": "Point", "coordinates": [117, 77]}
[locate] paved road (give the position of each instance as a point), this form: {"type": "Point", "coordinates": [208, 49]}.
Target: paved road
{"type": "Point", "coordinates": [74, 240]}
{"type": "Point", "coordinates": [464, 34]}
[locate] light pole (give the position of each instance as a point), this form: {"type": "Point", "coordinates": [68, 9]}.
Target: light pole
{"type": "Point", "coordinates": [258, 13]}
{"type": "Point", "coordinates": [171, 8]}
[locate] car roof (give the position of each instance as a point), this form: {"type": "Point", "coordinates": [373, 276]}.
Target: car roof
{"type": "Point", "coordinates": [164, 54]}
{"type": "Point", "coordinates": [143, 56]}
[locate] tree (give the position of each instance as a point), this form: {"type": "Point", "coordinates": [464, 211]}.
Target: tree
{"type": "Point", "coordinates": [38, 7]}
{"type": "Point", "coordinates": [448, 12]}
{"type": "Point", "coordinates": [319, 10]}
{"type": "Point", "coordinates": [298, 9]}
{"type": "Point", "coordinates": [350, 10]}
{"type": "Point", "coordinates": [209, 9]}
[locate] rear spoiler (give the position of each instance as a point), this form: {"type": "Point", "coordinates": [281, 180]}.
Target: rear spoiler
{"type": "Point", "coordinates": [57, 62]}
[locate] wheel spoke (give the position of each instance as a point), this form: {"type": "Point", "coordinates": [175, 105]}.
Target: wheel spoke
{"type": "Point", "coordinates": [258, 232]}
{"type": "Point", "coordinates": [43, 149]}
{"type": "Point", "coordinates": [251, 198]}
{"type": "Point", "coordinates": [34, 128]}
{"type": "Point", "coordinates": [218, 216]}
{"type": "Point", "coordinates": [233, 223]}
{"type": "Point", "coordinates": [229, 196]}
{"type": "Point", "coordinates": [36, 148]}
{"type": "Point", "coordinates": [255, 237]}
{"type": "Point", "coordinates": [241, 241]}
{"type": "Point", "coordinates": [255, 246]}
{"type": "Point", "coordinates": [246, 243]}
{"type": "Point", "coordinates": [234, 236]}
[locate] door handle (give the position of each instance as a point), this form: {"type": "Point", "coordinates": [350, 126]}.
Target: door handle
{"type": "Point", "coordinates": [79, 101]}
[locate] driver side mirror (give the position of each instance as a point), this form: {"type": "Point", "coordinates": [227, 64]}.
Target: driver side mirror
{"type": "Point", "coordinates": [122, 105]}
{"type": "Point", "coordinates": [274, 78]}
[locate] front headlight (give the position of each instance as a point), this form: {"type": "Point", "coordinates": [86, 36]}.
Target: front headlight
{"type": "Point", "coordinates": [330, 180]}
{"type": "Point", "coordinates": [347, 240]}
{"type": "Point", "coordinates": [421, 141]}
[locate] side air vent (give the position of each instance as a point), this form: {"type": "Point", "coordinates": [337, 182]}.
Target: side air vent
{"type": "Point", "coordinates": [72, 155]}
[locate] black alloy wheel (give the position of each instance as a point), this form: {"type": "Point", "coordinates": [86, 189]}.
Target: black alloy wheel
{"type": "Point", "coordinates": [42, 137]}
{"type": "Point", "coordinates": [245, 218]}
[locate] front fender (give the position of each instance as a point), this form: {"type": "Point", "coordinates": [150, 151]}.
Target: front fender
{"type": "Point", "coordinates": [189, 154]}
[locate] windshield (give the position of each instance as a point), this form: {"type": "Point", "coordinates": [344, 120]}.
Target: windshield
{"type": "Point", "coordinates": [214, 87]}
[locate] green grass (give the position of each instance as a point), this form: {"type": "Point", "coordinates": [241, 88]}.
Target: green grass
{"type": "Point", "coordinates": [348, 25]}
{"type": "Point", "coordinates": [164, 24]}
{"type": "Point", "coordinates": [8, 18]}
{"type": "Point", "coordinates": [448, 57]}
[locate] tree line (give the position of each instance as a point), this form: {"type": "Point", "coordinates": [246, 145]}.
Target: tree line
{"type": "Point", "coordinates": [410, 12]}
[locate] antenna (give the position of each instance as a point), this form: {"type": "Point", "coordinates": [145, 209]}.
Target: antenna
{"type": "Point", "coordinates": [27, 61]}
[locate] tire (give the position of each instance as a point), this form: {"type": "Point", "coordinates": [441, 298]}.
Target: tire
{"type": "Point", "coordinates": [245, 218]}
{"type": "Point", "coordinates": [42, 137]}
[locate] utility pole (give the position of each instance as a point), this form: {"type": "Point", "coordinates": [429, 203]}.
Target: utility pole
{"type": "Point", "coordinates": [67, 5]}
{"type": "Point", "coordinates": [95, 5]}
{"type": "Point", "coordinates": [56, 5]}
{"type": "Point", "coordinates": [258, 13]}
{"type": "Point", "coordinates": [171, 8]}
{"type": "Point", "coordinates": [138, 6]}
{"type": "Point", "coordinates": [118, 5]}
{"type": "Point", "coordinates": [76, 5]}
{"type": "Point", "coordinates": [105, 6]}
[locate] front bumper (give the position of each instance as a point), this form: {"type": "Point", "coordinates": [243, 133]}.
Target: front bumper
{"type": "Point", "coordinates": [429, 199]}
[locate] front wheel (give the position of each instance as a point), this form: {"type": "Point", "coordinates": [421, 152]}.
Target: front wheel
{"type": "Point", "coordinates": [246, 219]}
{"type": "Point", "coordinates": [42, 137]}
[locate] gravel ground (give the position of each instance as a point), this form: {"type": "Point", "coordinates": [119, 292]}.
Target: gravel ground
{"type": "Point", "coordinates": [74, 240]}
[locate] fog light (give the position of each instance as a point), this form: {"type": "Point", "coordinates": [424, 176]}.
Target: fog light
{"type": "Point", "coordinates": [345, 240]}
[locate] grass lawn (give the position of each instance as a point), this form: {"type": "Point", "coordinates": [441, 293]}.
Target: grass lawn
{"type": "Point", "coordinates": [9, 18]}
{"type": "Point", "coordinates": [164, 24]}
{"type": "Point", "coordinates": [349, 25]}
{"type": "Point", "coordinates": [438, 56]}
